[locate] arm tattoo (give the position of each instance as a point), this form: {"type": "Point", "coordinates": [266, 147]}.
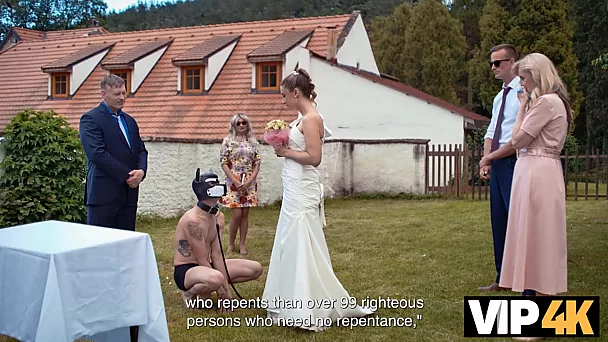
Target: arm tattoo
{"type": "Point", "coordinates": [195, 230]}
{"type": "Point", "coordinates": [184, 248]}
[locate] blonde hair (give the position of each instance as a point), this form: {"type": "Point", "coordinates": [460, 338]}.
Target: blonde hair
{"type": "Point", "coordinates": [232, 129]}
{"type": "Point", "coordinates": [545, 76]}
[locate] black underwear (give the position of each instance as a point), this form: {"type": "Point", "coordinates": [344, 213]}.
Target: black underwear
{"type": "Point", "coordinates": [179, 275]}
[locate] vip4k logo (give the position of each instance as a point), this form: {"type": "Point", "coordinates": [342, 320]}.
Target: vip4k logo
{"type": "Point", "coordinates": [539, 316]}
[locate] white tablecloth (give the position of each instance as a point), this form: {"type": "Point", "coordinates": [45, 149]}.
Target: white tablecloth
{"type": "Point", "coordinates": [63, 281]}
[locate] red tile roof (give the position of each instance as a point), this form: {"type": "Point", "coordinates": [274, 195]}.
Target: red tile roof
{"type": "Point", "coordinates": [201, 52]}
{"type": "Point", "coordinates": [160, 113]}
{"type": "Point", "coordinates": [278, 46]}
{"type": "Point", "coordinates": [80, 55]}
{"type": "Point", "coordinates": [28, 35]}
{"type": "Point", "coordinates": [138, 52]}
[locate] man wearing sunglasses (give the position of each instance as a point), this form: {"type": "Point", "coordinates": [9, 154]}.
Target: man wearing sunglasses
{"type": "Point", "coordinates": [500, 170]}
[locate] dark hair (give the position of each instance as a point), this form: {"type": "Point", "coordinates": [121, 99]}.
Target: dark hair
{"type": "Point", "coordinates": [511, 50]}
{"type": "Point", "coordinates": [300, 79]}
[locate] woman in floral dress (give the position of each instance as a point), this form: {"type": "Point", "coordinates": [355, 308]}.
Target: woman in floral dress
{"type": "Point", "coordinates": [240, 160]}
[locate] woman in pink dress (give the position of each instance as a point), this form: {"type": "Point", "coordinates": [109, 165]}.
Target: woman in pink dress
{"type": "Point", "coordinates": [535, 255]}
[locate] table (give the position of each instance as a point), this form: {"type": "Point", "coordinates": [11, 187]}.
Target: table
{"type": "Point", "coordinates": [65, 281]}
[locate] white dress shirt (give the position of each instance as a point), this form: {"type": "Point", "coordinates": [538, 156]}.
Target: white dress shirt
{"type": "Point", "coordinates": [511, 109]}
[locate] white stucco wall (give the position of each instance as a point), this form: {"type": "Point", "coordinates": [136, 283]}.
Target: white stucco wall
{"type": "Point", "coordinates": [142, 68]}
{"type": "Point", "coordinates": [357, 108]}
{"type": "Point", "coordinates": [216, 63]}
{"type": "Point", "coordinates": [82, 70]}
{"type": "Point", "coordinates": [347, 168]}
{"type": "Point", "coordinates": [357, 49]}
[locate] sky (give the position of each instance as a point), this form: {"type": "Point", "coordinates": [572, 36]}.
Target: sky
{"type": "Point", "coordinates": [120, 5]}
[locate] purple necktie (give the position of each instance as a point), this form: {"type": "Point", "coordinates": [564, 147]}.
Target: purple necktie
{"type": "Point", "coordinates": [501, 115]}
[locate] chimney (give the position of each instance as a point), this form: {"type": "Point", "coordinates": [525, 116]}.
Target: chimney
{"type": "Point", "coordinates": [332, 43]}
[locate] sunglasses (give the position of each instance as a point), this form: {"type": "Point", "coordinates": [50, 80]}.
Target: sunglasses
{"type": "Point", "coordinates": [241, 123]}
{"type": "Point", "coordinates": [496, 63]}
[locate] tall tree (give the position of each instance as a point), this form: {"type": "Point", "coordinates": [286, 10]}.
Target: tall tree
{"type": "Point", "coordinates": [431, 55]}
{"type": "Point", "coordinates": [591, 39]}
{"type": "Point", "coordinates": [388, 40]}
{"type": "Point", "coordinates": [532, 26]}
{"type": "Point", "coordinates": [48, 15]}
{"type": "Point", "coordinates": [492, 30]}
{"type": "Point", "coordinates": [545, 26]}
{"type": "Point", "coordinates": [468, 12]}
{"type": "Point", "coordinates": [601, 61]}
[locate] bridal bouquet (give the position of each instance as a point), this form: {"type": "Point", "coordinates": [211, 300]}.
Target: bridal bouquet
{"type": "Point", "coordinates": [277, 133]}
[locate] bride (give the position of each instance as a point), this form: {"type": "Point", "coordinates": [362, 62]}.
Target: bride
{"type": "Point", "coordinates": [301, 286]}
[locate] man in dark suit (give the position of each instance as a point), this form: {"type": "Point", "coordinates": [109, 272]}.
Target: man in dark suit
{"type": "Point", "coordinates": [117, 159]}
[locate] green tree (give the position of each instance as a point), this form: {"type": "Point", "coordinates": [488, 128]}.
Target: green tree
{"type": "Point", "coordinates": [492, 30]}
{"type": "Point", "coordinates": [532, 26]}
{"type": "Point", "coordinates": [545, 26]}
{"type": "Point", "coordinates": [430, 56]}
{"type": "Point", "coordinates": [601, 61]}
{"type": "Point", "coordinates": [468, 12]}
{"type": "Point", "coordinates": [48, 15]}
{"type": "Point", "coordinates": [388, 40]}
{"type": "Point", "coordinates": [591, 39]}
{"type": "Point", "coordinates": [43, 171]}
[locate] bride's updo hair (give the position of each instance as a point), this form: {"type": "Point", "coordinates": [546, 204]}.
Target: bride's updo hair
{"type": "Point", "coordinates": [301, 80]}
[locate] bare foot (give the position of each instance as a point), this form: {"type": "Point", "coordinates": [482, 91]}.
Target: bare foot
{"type": "Point", "coordinates": [243, 250]}
{"type": "Point", "coordinates": [188, 297]}
{"type": "Point", "coordinates": [231, 248]}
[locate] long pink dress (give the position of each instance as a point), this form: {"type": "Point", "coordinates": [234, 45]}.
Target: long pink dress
{"type": "Point", "coordinates": [535, 255]}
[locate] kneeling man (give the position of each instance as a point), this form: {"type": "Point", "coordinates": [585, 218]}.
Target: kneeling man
{"type": "Point", "coordinates": [199, 267]}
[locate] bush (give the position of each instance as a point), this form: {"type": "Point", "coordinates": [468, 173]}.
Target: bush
{"type": "Point", "coordinates": [44, 171]}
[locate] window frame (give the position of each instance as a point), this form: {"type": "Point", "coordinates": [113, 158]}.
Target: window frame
{"type": "Point", "coordinates": [184, 71]}
{"type": "Point", "coordinates": [54, 83]}
{"type": "Point", "coordinates": [259, 76]}
{"type": "Point", "coordinates": [127, 80]}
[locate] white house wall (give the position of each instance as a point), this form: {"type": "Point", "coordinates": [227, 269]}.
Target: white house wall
{"type": "Point", "coordinates": [346, 168]}
{"type": "Point", "coordinates": [357, 108]}
{"type": "Point", "coordinates": [216, 63]}
{"type": "Point", "coordinates": [143, 67]}
{"type": "Point", "coordinates": [357, 49]}
{"type": "Point", "coordinates": [298, 56]}
{"type": "Point", "coordinates": [82, 70]}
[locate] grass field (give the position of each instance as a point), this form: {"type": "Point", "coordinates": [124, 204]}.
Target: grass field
{"type": "Point", "coordinates": [434, 250]}
{"type": "Point", "coordinates": [591, 190]}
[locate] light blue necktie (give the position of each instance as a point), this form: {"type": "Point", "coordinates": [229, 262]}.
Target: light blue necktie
{"type": "Point", "coordinates": [123, 127]}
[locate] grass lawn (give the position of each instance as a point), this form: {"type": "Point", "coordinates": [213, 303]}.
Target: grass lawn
{"type": "Point", "coordinates": [591, 188]}
{"type": "Point", "coordinates": [434, 250]}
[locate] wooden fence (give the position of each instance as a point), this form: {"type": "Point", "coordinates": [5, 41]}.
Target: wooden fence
{"type": "Point", "coordinates": [453, 170]}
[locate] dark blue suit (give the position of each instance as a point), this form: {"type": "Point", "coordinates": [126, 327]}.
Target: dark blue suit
{"type": "Point", "coordinates": [109, 199]}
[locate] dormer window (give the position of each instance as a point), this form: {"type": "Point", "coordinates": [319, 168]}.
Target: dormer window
{"type": "Point", "coordinates": [135, 65]}
{"type": "Point", "coordinates": [125, 74]}
{"type": "Point", "coordinates": [270, 61]}
{"type": "Point", "coordinates": [193, 79]}
{"type": "Point", "coordinates": [268, 76]}
{"type": "Point", "coordinates": [68, 73]}
{"type": "Point", "coordinates": [198, 67]}
{"type": "Point", "coordinates": [60, 84]}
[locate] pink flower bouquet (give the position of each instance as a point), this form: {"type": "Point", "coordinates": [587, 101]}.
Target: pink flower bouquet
{"type": "Point", "coordinates": [277, 133]}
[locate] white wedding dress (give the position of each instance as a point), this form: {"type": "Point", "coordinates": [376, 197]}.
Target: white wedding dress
{"type": "Point", "coordinates": [300, 271]}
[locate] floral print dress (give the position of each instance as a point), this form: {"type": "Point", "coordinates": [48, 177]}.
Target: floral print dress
{"type": "Point", "coordinates": [240, 156]}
